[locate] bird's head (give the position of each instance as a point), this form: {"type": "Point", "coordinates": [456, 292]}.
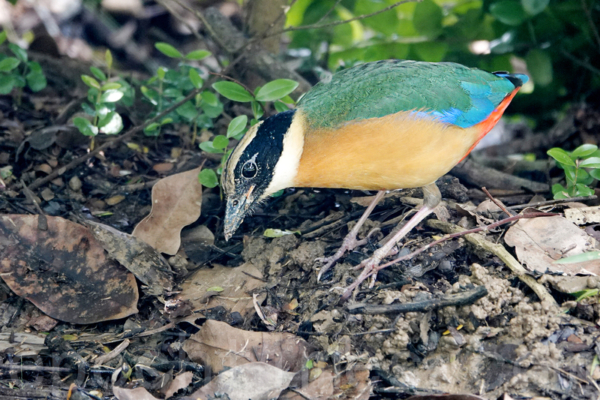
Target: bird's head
{"type": "Point", "coordinates": [264, 162]}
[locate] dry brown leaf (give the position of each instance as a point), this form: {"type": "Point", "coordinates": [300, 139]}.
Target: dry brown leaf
{"type": "Point", "coordinates": [132, 394]}
{"type": "Point", "coordinates": [218, 345]}
{"type": "Point", "coordinates": [176, 202]}
{"type": "Point", "coordinates": [136, 255]}
{"type": "Point", "coordinates": [348, 385]}
{"type": "Point", "coordinates": [256, 381]}
{"type": "Point", "coordinates": [583, 216]}
{"type": "Point", "coordinates": [64, 270]}
{"type": "Point", "coordinates": [237, 284]}
{"type": "Point", "coordinates": [538, 242]}
{"type": "Point", "coordinates": [181, 381]}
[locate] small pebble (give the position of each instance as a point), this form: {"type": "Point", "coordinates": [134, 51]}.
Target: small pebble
{"type": "Point", "coordinates": [115, 200]}
{"type": "Point", "coordinates": [47, 194]}
{"type": "Point", "coordinates": [75, 183]}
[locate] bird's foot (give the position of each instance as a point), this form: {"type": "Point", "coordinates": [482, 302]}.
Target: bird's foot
{"type": "Point", "coordinates": [350, 243]}
{"type": "Point", "coordinates": [370, 267]}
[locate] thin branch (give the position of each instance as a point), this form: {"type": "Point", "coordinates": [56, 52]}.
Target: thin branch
{"type": "Point", "coordinates": [582, 63]}
{"type": "Point", "coordinates": [497, 202]}
{"type": "Point", "coordinates": [552, 202]}
{"type": "Point", "coordinates": [588, 14]}
{"type": "Point", "coordinates": [346, 21]}
{"type": "Point", "coordinates": [486, 228]}
{"type": "Point", "coordinates": [206, 24]}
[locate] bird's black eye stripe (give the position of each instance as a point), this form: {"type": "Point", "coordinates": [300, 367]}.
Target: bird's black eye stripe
{"type": "Point", "coordinates": [249, 169]}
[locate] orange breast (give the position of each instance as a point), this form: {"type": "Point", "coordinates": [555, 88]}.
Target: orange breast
{"type": "Point", "coordinates": [397, 151]}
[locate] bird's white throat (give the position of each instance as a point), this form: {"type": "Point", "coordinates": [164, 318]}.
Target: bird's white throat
{"type": "Point", "coordinates": [286, 168]}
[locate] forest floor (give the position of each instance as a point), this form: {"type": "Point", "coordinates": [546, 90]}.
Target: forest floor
{"type": "Point", "coordinates": [117, 280]}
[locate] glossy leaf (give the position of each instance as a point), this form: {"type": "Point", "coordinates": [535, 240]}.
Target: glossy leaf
{"type": "Point", "coordinates": [187, 110]}
{"type": "Point", "coordinates": [97, 72]}
{"type": "Point", "coordinates": [592, 162]}
{"type": "Point", "coordinates": [111, 124]}
{"type": "Point", "coordinates": [539, 65]}
{"type": "Point", "coordinates": [8, 64]}
{"type": "Point", "coordinates": [168, 50]}
{"type": "Point", "coordinates": [208, 178]}
{"type": "Point", "coordinates": [111, 85]}
{"type": "Point", "coordinates": [18, 51]}
{"type": "Point", "coordinates": [276, 89]}
{"type": "Point", "coordinates": [257, 110]}
{"type": "Point", "coordinates": [108, 58]}
{"type": "Point", "coordinates": [508, 12]}
{"type": "Point", "coordinates": [7, 83]}
{"type": "Point", "coordinates": [210, 98]}
{"type": "Point", "coordinates": [220, 142]}
{"type": "Point", "coordinates": [280, 106]}
{"type": "Point", "coordinates": [36, 81]}
{"type": "Point", "coordinates": [534, 7]}
{"type": "Point", "coordinates": [197, 54]}
{"type": "Point", "coordinates": [584, 150]}
{"type": "Point", "coordinates": [85, 126]}
{"type": "Point", "coordinates": [427, 18]}
{"type": "Point", "coordinates": [91, 82]}
{"type": "Point", "coordinates": [111, 96]}
{"type": "Point", "coordinates": [595, 173]}
{"type": "Point", "coordinates": [237, 125]}
{"type": "Point", "coordinates": [232, 91]}
{"type": "Point", "coordinates": [209, 148]}
{"type": "Point", "coordinates": [561, 156]}
{"type": "Point", "coordinates": [195, 78]}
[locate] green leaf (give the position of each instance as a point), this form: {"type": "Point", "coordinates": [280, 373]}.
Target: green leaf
{"type": "Point", "coordinates": [197, 54]}
{"type": "Point", "coordinates": [208, 178]}
{"type": "Point", "coordinates": [561, 156]}
{"type": "Point", "coordinates": [111, 96]}
{"type": "Point", "coordinates": [220, 142]}
{"type": "Point", "coordinates": [276, 89]}
{"type": "Point", "coordinates": [152, 127]}
{"type": "Point", "coordinates": [257, 109]}
{"type": "Point", "coordinates": [165, 121]}
{"type": "Point", "coordinates": [209, 148]}
{"type": "Point", "coordinates": [3, 36]}
{"type": "Point", "coordinates": [431, 51]}
{"type": "Point", "coordinates": [91, 82]}
{"type": "Point", "coordinates": [111, 85]}
{"type": "Point", "coordinates": [212, 111]}
{"type": "Point", "coordinates": [280, 106]}
{"type": "Point", "coordinates": [583, 190]}
{"type": "Point", "coordinates": [195, 78]}
{"type": "Point", "coordinates": [589, 256]}
{"type": "Point", "coordinates": [111, 124]}
{"type": "Point", "coordinates": [36, 81]}
{"type": "Point", "coordinates": [539, 65]}
{"type": "Point", "coordinates": [584, 294]}
{"type": "Point", "coordinates": [97, 72]}
{"type": "Point", "coordinates": [7, 83]}
{"type": "Point", "coordinates": [88, 109]}
{"type": "Point", "coordinates": [534, 7]}
{"type": "Point", "coordinates": [427, 18]}
{"type": "Point", "coordinates": [187, 110]}
{"type": "Point", "coordinates": [161, 72]}
{"type": "Point", "coordinates": [85, 126]}
{"type": "Point", "coordinates": [584, 150]}
{"type": "Point", "coordinates": [595, 173]}
{"type": "Point", "coordinates": [108, 58]}
{"type": "Point", "coordinates": [287, 100]}
{"type": "Point", "coordinates": [19, 52]}
{"type": "Point", "coordinates": [275, 233]}
{"type": "Point", "coordinates": [168, 50]}
{"type": "Point", "coordinates": [508, 12]}
{"type": "Point", "coordinates": [237, 125]}
{"type": "Point", "coordinates": [150, 94]}
{"type": "Point", "coordinates": [210, 98]}
{"type": "Point", "coordinates": [570, 175]}
{"type": "Point", "coordinates": [232, 91]}
{"type": "Point", "coordinates": [592, 162]}
{"type": "Point", "coordinates": [8, 64]}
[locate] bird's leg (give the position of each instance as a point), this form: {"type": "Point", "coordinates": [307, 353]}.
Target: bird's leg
{"type": "Point", "coordinates": [431, 198]}
{"type": "Point", "coordinates": [350, 241]}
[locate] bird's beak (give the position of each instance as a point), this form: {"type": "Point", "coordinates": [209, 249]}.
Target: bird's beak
{"type": "Point", "coordinates": [236, 210]}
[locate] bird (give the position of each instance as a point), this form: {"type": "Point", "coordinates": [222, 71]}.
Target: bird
{"type": "Point", "coordinates": [383, 125]}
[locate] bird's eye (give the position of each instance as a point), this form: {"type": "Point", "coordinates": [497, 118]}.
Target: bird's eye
{"type": "Point", "coordinates": [249, 169]}
{"type": "Point", "coordinates": [235, 203]}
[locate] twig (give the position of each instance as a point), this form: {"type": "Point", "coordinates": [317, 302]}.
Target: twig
{"type": "Point", "coordinates": [112, 354]}
{"type": "Point", "coordinates": [588, 14]}
{"type": "Point", "coordinates": [551, 202]}
{"type": "Point", "coordinates": [206, 24]}
{"type": "Point", "coordinates": [497, 202]}
{"type": "Point", "coordinates": [582, 63]}
{"type": "Point", "coordinates": [497, 249]}
{"type": "Point", "coordinates": [502, 253]}
{"type": "Point", "coordinates": [346, 21]}
{"type": "Point", "coordinates": [42, 220]}
{"type": "Point", "coordinates": [457, 299]}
